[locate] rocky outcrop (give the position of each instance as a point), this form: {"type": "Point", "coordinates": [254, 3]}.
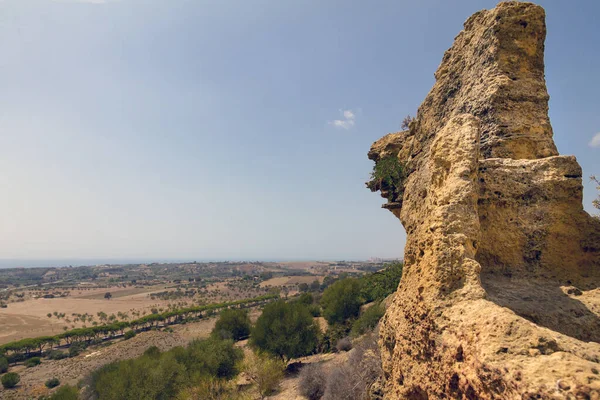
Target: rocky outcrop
{"type": "Point", "coordinates": [500, 296]}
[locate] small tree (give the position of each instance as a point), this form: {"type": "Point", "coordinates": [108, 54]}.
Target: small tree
{"type": "Point", "coordinates": [286, 330]}
{"type": "Point", "coordinates": [107, 295]}
{"type": "Point", "coordinates": [10, 380]}
{"type": "Point", "coordinates": [232, 324]}
{"type": "Point", "coordinates": [265, 371]}
{"type": "Point", "coordinates": [342, 300]}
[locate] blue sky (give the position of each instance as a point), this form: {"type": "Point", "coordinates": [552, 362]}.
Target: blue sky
{"type": "Point", "coordinates": [207, 129]}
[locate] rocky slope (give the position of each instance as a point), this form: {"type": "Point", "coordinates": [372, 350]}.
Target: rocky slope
{"type": "Point", "coordinates": [500, 296]}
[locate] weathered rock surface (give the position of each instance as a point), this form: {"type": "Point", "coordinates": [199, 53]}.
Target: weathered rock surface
{"type": "Point", "coordinates": [500, 296]}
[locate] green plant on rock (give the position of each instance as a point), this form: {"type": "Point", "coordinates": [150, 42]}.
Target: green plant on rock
{"type": "Point", "coordinates": [388, 177]}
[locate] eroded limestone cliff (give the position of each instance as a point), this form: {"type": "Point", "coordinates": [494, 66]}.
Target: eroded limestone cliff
{"type": "Point", "coordinates": [500, 296]}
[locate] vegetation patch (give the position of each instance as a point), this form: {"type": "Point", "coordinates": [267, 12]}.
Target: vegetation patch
{"type": "Point", "coordinates": [10, 380]}
{"type": "Point", "coordinates": [157, 375]}
{"type": "Point", "coordinates": [388, 177]}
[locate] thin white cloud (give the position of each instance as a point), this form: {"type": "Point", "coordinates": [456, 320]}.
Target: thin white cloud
{"type": "Point", "coordinates": [347, 122]}
{"type": "Point", "coordinates": [595, 142]}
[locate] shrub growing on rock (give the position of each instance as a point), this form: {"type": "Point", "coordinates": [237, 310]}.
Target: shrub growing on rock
{"type": "Point", "coordinates": [388, 177]}
{"type": "Point", "coordinates": [10, 380]}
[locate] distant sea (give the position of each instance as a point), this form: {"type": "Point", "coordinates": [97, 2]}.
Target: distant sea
{"type": "Point", "coordinates": [78, 262]}
{"type": "Point", "coordinates": [8, 263]}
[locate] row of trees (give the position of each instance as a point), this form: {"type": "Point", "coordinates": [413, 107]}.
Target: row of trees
{"type": "Point", "coordinates": [21, 349]}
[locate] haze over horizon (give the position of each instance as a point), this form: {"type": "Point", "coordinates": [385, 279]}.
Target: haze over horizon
{"type": "Point", "coordinates": [233, 130]}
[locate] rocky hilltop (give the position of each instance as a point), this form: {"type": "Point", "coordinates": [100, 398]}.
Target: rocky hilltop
{"type": "Point", "coordinates": [500, 296]}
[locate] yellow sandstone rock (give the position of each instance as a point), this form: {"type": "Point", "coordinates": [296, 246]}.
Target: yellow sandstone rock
{"type": "Point", "coordinates": [500, 296]}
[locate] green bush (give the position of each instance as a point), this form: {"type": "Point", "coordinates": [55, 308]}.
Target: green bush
{"type": "Point", "coordinates": [286, 330]}
{"type": "Point", "coordinates": [65, 393]}
{"type": "Point", "coordinates": [232, 324]}
{"type": "Point", "coordinates": [52, 383]}
{"type": "Point", "coordinates": [10, 380]}
{"type": "Point", "coordinates": [265, 370]}
{"type": "Point", "coordinates": [129, 334]}
{"type": "Point", "coordinates": [333, 335]}
{"type": "Point", "coordinates": [152, 352]}
{"type": "Point", "coordinates": [76, 349]}
{"type": "Point", "coordinates": [379, 285]}
{"type": "Point", "coordinates": [315, 310]}
{"type": "Point", "coordinates": [32, 362]}
{"type": "Point", "coordinates": [157, 375]}
{"type": "Point", "coordinates": [306, 298]}
{"type": "Point", "coordinates": [3, 364]}
{"type": "Point", "coordinates": [367, 320]}
{"type": "Point", "coordinates": [341, 301]}
{"type": "Point", "coordinates": [388, 177]}
{"type": "Point", "coordinates": [56, 355]}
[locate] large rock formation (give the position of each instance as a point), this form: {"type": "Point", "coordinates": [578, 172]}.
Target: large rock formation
{"type": "Point", "coordinates": [500, 296]}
